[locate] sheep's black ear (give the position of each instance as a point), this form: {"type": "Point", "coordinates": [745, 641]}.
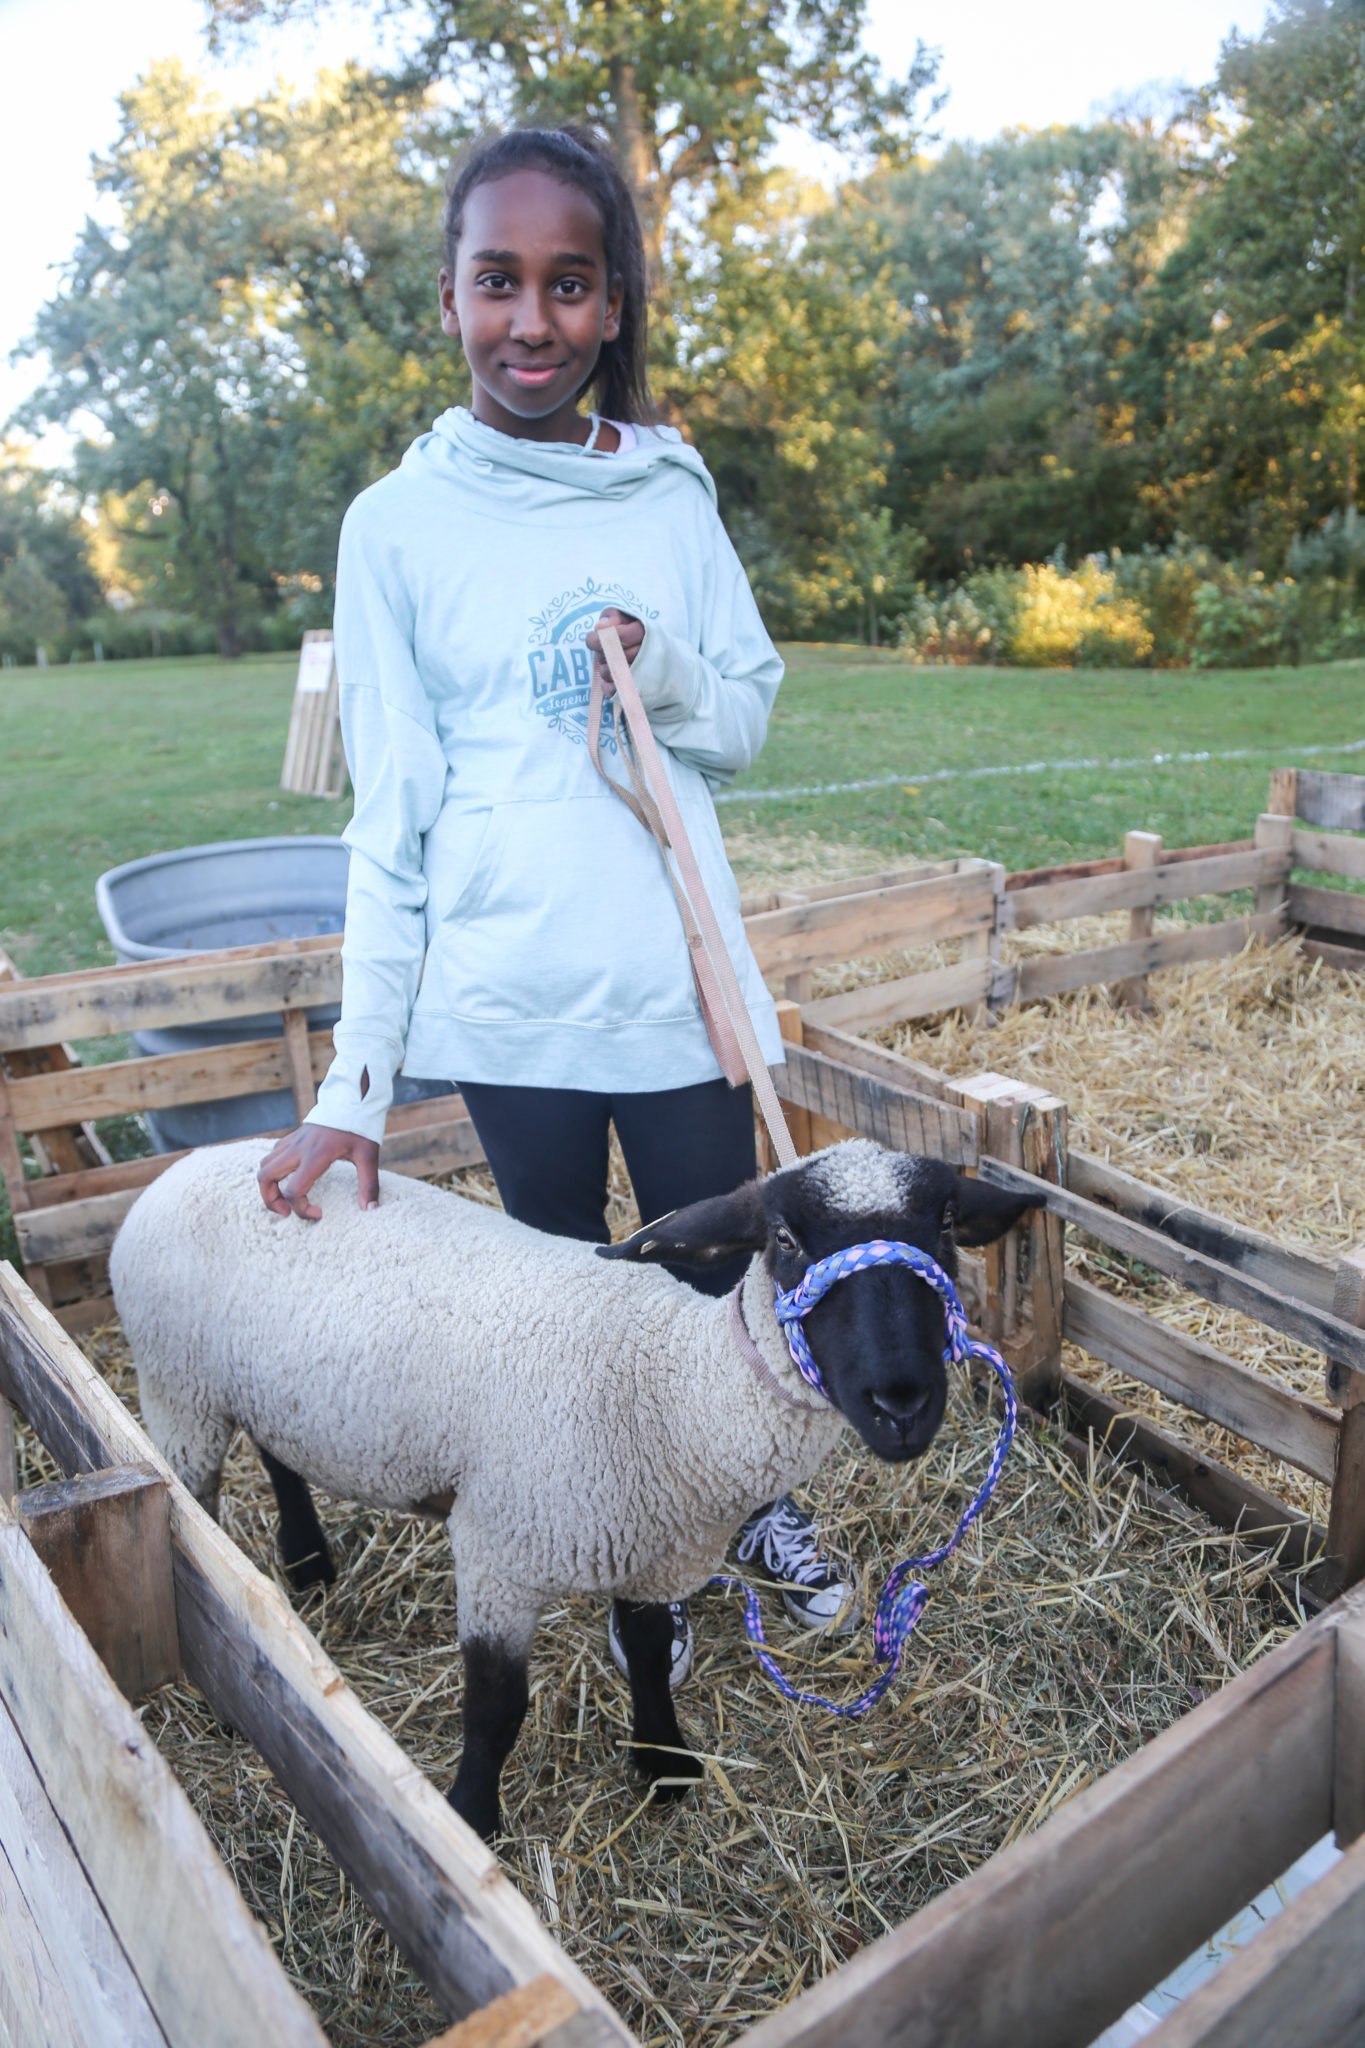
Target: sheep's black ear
{"type": "Point", "coordinates": [984, 1212]}
{"type": "Point", "coordinates": [700, 1235]}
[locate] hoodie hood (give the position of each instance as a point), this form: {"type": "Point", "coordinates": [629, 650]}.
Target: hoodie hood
{"type": "Point", "coordinates": [459, 447]}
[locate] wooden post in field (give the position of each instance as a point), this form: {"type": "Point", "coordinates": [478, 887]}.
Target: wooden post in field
{"type": "Point", "coordinates": [313, 761]}
{"type": "Point", "coordinates": [985, 946]}
{"type": "Point", "coordinates": [1345, 1561]}
{"type": "Point", "coordinates": [1283, 800]}
{"type": "Point", "coordinates": [105, 1538]}
{"type": "Point", "coordinates": [1022, 1313]}
{"type": "Point", "coordinates": [1141, 850]}
{"type": "Point", "coordinates": [1274, 834]}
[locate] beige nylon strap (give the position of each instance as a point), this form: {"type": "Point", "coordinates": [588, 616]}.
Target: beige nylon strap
{"type": "Point", "coordinates": [724, 1009]}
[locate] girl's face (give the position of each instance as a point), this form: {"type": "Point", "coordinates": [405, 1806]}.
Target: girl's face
{"type": "Point", "coordinates": [531, 303]}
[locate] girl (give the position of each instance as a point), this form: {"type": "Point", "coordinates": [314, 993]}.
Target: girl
{"type": "Point", "coordinates": [509, 926]}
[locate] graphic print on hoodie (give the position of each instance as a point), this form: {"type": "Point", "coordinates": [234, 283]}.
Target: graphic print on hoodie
{"type": "Point", "coordinates": [560, 661]}
{"type": "Point", "coordinates": [507, 919]}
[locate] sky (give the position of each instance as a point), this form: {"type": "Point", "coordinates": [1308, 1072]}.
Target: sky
{"type": "Point", "coordinates": [1003, 65]}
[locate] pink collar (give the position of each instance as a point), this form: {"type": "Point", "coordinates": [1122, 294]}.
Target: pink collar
{"type": "Point", "coordinates": [758, 1364]}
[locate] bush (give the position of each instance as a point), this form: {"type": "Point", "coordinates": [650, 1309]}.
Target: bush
{"type": "Point", "coordinates": [968, 623]}
{"type": "Point", "coordinates": [1079, 617]}
{"type": "Point", "coordinates": [1247, 623]}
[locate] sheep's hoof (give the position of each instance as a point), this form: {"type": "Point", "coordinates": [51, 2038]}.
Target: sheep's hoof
{"type": "Point", "coordinates": [304, 1573]}
{"type": "Point", "coordinates": [671, 1774]}
{"type": "Point", "coordinates": [482, 1814]}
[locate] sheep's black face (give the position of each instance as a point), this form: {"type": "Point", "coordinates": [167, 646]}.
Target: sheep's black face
{"type": "Point", "coordinates": [877, 1336]}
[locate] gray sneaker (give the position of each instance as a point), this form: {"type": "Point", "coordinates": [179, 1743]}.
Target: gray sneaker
{"type": "Point", "coordinates": [813, 1593]}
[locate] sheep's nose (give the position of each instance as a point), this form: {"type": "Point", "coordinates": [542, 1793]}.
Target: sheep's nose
{"type": "Point", "coordinates": [903, 1406]}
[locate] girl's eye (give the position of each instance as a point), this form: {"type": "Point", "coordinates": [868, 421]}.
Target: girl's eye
{"type": "Point", "coordinates": [784, 1239]}
{"type": "Point", "coordinates": [495, 280]}
{"type": "Point", "coordinates": [572, 287]}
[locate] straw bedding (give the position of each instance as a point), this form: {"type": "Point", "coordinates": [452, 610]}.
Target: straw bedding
{"type": "Point", "coordinates": [1083, 1615]}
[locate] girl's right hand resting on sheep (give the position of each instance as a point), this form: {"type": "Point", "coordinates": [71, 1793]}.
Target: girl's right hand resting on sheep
{"type": "Point", "coordinates": [289, 1171]}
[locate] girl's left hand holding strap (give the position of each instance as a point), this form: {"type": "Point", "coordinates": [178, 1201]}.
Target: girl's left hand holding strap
{"type": "Point", "coordinates": [632, 634]}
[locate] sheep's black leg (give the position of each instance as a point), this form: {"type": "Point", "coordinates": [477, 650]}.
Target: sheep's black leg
{"type": "Point", "coordinates": [657, 1744]}
{"type": "Point", "coordinates": [303, 1547]}
{"type": "Point", "coordinates": [495, 1701]}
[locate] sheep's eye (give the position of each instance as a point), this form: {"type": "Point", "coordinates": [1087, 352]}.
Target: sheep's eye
{"type": "Point", "coordinates": [949, 1218]}
{"type": "Point", "coordinates": [784, 1239]}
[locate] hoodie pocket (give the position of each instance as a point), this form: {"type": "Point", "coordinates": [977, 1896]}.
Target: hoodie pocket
{"type": "Point", "coordinates": [568, 916]}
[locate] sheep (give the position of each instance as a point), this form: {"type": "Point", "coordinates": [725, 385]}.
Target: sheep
{"type": "Point", "coordinates": [582, 1427]}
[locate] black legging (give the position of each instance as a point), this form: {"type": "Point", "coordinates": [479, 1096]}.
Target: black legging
{"type": "Point", "coordinates": [548, 1151]}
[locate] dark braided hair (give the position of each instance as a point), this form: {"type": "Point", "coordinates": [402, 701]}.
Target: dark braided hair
{"type": "Point", "coordinates": [578, 157]}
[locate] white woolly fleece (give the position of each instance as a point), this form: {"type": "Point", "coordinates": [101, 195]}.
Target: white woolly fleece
{"type": "Point", "coordinates": [595, 1420]}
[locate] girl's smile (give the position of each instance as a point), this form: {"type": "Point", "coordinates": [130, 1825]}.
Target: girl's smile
{"type": "Point", "coordinates": [531, 303]}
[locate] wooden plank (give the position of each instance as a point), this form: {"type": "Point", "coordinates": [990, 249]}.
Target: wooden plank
{"type": "Point", "coordinates": [1298, 1984]}
{"type": "Point", "coordinates": [789, 1023]}
{"type": "Point", "coordinates": [1285, 1424]}
{"type": "Point", "coordinates": [36, 1999]}
{"type": "Point", "coordinates": [432, 1883]}
{"type": "Point", "coordinates": [881, 920]}
{"type": "Point", "coordinates": [1055, 974]}
{"type": "Point", "coordinates": [1153, 886]}
{"type": "Point", "coordinates": [162, 1080]}
{"type": "Point", "coordinates": [1327, 910]}
{"type": "Point", "coordinates": [894, 1067]}
{"type": "Point", "coordinates": [1333, 801]}
{"type": "Point", "coordinates": [9, 1455]}
{"type": "Point", "coordinates": [1275, 840]}
{"type": "Point", "coordinates": [65, 1149]}
{"type": "Point", "coordinates": [1056, 1936]}
{"type": "Point", "coordinates": [1064, 871]}
{"type": "Point", "coordinates": [424, 1138]}
{"type": "Point", "coordinates": [1232, 1244]}
{"type": "Point", "coordinates": [105, 1540]}
{"type": "Point", "coordinates": [188, 989]}
{"type": "Point", "coordinates": [1348, 1789]}
{"type": "Point", "coordinates": [1330, 854]}
{"type": "Point", "coordinates": [1204, 1276]}
{"type": "Point", "coordinates": [908, 996]}
{"type": "Point", "coordinates": [519, 2019]}
{"type": "Point", "coordinates": [1346, 959]}
{"type": "Point", "coordinates": [206, 1968]}
{"type": "Point", "coordinates": [298, 1054]}
{"type": "Point", "coordinates": [1345, 1560]}
{"type": "Point", "coordinates": [1255, 1515]}
{"type": "Point", "coordinates": [893, 1116]}
{"type": "Point", "coordinates": [1141, 852]}
{"type": "Point", "coordinates": [76, 1950]}
{"type": "Point", "coordinates": [1283, 799]}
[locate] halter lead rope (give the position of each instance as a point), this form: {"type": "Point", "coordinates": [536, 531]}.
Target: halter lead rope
{"type": "Point", "coordinates": [903, 1598]}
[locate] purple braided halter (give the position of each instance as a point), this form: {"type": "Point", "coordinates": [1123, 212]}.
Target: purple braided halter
{"type": "Point", "coordinates": [902, 1598]}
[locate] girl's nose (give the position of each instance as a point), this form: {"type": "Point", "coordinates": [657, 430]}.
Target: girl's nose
{"type": "Point", "coordinates": [531, 317]}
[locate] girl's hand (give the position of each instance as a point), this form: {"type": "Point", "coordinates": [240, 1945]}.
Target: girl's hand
{"type": "Point", "coordinates": [632, 634]}
{"type": "Point", "coordinates": [288, 1172]}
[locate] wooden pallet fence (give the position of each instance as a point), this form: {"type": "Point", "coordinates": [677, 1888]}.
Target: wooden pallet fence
{"type": "Point", "coordinates": [431, 1882]}
{"type": "Point", "coordinates": [118, 1922]}
{"type": "Point", "coordinates": [1051, 1940]}
{"type": "Point", "coordinates": [314, 764]}
{"type": "Point", "coordinates": [1323, 816]}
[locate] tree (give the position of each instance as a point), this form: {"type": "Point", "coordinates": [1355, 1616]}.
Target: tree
{"type": "Point", "coordinates": [780, 364]}
{"type": "Point", "coordinates": [690, 91]}
{"type": "Point", "coordinates": [1263, 326]}
{"type": "Point", "coordinates": [249, 336]}
{"type": "Point", "coordinates": [41, 525]}
{"type": "Point", "coordinates": [1021, 265]}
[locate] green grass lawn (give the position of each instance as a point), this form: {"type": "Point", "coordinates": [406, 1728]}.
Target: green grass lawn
{"type": "Point", "coordinates": [99, 765]}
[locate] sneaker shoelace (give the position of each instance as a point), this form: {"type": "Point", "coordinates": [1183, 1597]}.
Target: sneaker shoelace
{"type": "Point", "coordinates": [790, 1548]}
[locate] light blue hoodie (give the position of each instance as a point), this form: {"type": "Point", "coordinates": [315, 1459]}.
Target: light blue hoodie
{"type": "Point", "coordinates": [507, 919]}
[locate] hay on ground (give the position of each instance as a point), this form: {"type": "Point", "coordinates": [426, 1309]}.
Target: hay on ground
{"type": "Point", "coordinates": [1084, 1615]}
